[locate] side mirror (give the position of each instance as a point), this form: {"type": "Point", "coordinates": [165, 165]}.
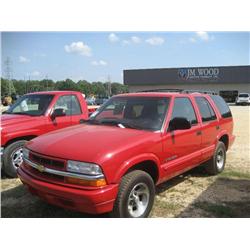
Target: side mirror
{"type": "Point", "coordinates": [57, 113]}
{"type": "Point", "coordinates": [179, 123]}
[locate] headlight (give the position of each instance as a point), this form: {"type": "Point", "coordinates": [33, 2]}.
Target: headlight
{"type": "Point", "coordinates": [26, 153]}
{"type": "Point", "coordinates": [83, 168]}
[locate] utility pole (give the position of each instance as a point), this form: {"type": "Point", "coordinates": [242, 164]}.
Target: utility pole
{"type": "Point", "coordinates": [109, 86]}
{"type": "Point", "coordinates": [46, 78]}
{"type": "Point", "coordinates": [9, 75]}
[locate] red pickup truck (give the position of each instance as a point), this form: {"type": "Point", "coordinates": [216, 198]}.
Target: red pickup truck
{"type": "Point", "coordinates": [113, 161]}
{"type": "Point", "coordinates": [35, 114]}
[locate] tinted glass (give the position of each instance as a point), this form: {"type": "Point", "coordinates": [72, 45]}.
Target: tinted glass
{"type": "Point", "coordinates": [183, 108]}
{"type": "Point", "coordinates": [243, 95]}
{"type": "Point", "coordinates": [34, 105]}
{"type": "Point", "coordinates": [206, 111]}
{"type": "Point", "coordinates": [132, 112]}
{"type": "Point", "coordinates": [222, 106]}
{"type": "Point", "coordinates": [69, 103]}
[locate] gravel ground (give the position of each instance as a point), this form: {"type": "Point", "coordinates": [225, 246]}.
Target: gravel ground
{"type": "Point", "coordinates": [193, 194]}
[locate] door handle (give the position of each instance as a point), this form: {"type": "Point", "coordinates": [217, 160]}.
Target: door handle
{"type": "Point", "coordinates": [198, 132]}
{"type": "Point", "coordinates": [217, 127]}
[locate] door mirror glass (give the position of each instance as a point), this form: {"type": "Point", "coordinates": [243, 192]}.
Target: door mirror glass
{"type": "Point", "coordinates": [179, 123]}
{"type": "Point", "coordinates": [57, 113]}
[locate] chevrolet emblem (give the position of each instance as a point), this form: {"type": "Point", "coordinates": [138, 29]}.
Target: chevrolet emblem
{"type": "Point", "coordinates": [41, 168]}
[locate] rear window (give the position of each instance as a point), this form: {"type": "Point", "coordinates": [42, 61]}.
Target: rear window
{"type": "Point", "coordinates": [222, 106]}
{"type": "Point", "coordinates": [243, 95]}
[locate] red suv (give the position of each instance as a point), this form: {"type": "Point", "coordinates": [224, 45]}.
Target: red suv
{"type": "Point", "coordinates": [113, 161]}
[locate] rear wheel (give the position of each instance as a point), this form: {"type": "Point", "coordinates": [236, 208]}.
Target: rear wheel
{"type": "Point", "coordinates": [217, 163]}
{"type": "Point", "coordinates": [136, 195]}
{"type": "Point", "coordinates": [13, 157]}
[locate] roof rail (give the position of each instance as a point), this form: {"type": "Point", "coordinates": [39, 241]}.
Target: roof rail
{"type": "Point", "coordinates": [161, 90]}
{"type": "Point", "coordinates": [209, 92]}
{"type": "Point", "coordinates": [187, 91]}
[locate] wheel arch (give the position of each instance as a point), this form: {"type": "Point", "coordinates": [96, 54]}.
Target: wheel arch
{"type": "Point", "coordinates": [225, 139]}
{"type": "Point", "coordinates": [26, 137]}
{"type": "Point", "coordinates": [148, 163]}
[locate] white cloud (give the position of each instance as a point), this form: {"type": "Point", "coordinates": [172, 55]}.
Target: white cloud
{"type": "Point", "coordinates": [135, 39]}
{"type": "Point", "coordinates": [155, 41]}
{"type": "Point", "coordinates": [132, 40]}
{"type": "Point", "coordinates": [113, 38]}
{"type": "Point", "coordinates": [78, 48]}
{"type": "Point", "coordinates": [99, 63]}
{"type": "Point", "coordinates": [204, 36]}
{"type": "Point", "coordinates": [23, 59]}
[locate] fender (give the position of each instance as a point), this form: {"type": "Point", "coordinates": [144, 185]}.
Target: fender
{"type": "Point", "coordinates": [133, 161]}
{"type": "Point", "coordinates": [21, 134]}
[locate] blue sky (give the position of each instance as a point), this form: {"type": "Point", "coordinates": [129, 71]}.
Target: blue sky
{"type": "Point", "coordinates": [95, 56]}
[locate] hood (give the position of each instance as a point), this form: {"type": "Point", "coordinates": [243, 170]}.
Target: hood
{"type": "Point", "coordinates": [89, 143]}
{"type": "Point", "coordinates": [8, 120]}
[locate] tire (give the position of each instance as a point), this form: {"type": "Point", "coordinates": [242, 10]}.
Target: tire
{"type": "Point", "coordinates": [11, 158]}
{"type": "Point", "coordinates": [135, 197]}
{"type": "Point", "coordinates": [217, 163]}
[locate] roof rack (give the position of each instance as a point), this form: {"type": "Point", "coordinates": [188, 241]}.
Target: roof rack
{"type": "Point", "coordinates": [187, 91]}
{"type": "Point", "coordinates": [162, 90]}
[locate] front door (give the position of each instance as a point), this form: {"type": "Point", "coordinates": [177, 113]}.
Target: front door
{"type": "Point", "coordinates": [182, 147]}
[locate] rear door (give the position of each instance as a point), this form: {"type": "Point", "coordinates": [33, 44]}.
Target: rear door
{"type": "Point", "coordinates": [209, 127]}
{"type": "Point", "coordinates": [182, 147]}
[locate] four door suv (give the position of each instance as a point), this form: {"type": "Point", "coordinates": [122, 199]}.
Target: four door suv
{"type": "Point", "coordinates": [113, 161]}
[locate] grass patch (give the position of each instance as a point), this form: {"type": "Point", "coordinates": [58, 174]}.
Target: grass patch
{"type": "Point", "coordinates": [168, 206]}
{"type": "Point", "coordinates": [237, 174]}
{"type": "Point", "coordinates": [217, 210]}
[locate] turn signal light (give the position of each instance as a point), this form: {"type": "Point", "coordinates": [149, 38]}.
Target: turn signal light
{"type": "Point", "coordinates": [92, 183]}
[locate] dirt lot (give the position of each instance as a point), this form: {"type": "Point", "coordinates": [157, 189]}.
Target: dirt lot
{"type": "Point", "coordinates": [193, 194]}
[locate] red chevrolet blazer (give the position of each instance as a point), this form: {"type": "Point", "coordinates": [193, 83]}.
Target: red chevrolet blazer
{"type": "Point", "coordinates": [113, 161]}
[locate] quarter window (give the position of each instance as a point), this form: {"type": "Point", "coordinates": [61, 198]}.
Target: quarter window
{"type": "Point", "coordinates": [69, 103]}
{"type": "Point", "coordinates": [206, 111]}
{"type": "Point", "coordinates": [222, 106]}
{"type": "Point", "coordinates": [183, 108]}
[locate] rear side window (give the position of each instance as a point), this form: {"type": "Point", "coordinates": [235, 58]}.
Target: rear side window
{"type": "Point", "coordinates": [222, 106]}
{"type": "Point", "coordinates": [206, 111]}
{"type": "Point", "coordinates": [183, 108]}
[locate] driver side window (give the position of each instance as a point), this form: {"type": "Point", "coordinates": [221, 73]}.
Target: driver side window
{"type": "Point", "coordinates": [69, 104]}
{"type": "Point", "coordinates": [183, 108]}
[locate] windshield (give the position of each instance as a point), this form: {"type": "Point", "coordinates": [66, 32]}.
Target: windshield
{"type": "Point", "coordinates": [34, 105]}
{"type": "Point", "coordinates": [146, 113]}
{"type": "Point", "coordinates": [243, 95]}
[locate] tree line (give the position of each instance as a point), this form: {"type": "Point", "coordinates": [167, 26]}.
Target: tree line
{"type": "Point", "coordinates": [100, 89]}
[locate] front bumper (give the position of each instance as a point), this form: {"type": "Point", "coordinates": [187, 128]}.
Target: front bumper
{"type": "Point", "coordinates": [243, 102]}
{"type": "Point", "coordinates": [95, 201]}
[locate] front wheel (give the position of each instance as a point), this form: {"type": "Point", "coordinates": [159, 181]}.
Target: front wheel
{"type": "Point", "coordinates": [13, 158]}
{"type": "Point", "coordinates": [217, 163]}
{"type": "Point", "coordinates": [136, 196]}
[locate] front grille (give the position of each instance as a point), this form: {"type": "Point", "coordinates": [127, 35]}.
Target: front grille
{"type": "Point", "coordinates": [47, 162]}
